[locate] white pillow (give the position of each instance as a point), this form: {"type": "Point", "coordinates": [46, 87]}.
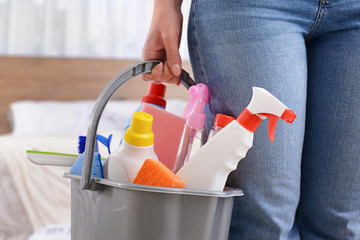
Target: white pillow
{"type": "Point", "coordinates": [72, 117]}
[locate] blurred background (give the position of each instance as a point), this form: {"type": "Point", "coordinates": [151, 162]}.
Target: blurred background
{"type": "Point", "coordinates": [78, 28]}
{"type": "Point", "coordinates": [56, 56]}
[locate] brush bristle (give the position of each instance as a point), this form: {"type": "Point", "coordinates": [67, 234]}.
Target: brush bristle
{"type": "Point", "coordinates": [81, 146]}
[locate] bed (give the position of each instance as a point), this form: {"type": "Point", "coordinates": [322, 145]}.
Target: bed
{"type": "Point", "coordinates": [45, 105]}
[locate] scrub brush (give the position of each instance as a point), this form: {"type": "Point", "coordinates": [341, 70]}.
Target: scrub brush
{"type": "Point", "coordinates": [97, 168]}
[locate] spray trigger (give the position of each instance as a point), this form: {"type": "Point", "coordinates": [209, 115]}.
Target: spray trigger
{"type": "Point", "coordinates": [273, 120]}
{"type": "Point", "coordinates": [288, 116]}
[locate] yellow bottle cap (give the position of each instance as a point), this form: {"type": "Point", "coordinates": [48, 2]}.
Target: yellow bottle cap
{"type": "Point", "coordinates": [140, 131]}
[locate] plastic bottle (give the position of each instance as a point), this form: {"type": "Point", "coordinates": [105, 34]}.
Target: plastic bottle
{"type": "Point", "coordinates": [221, 120]}
{"type": "Point", "coordinates": [155, 95]}
{"type": "Point", "coordinates": [125, 162]}
{"type": "Point", "coordinates": [193, 136]}
{"type": "Point", "coordinates": [209, 168]}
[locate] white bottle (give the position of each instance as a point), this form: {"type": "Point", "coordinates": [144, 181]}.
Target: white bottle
{"type": "Point", "coordinates": [209, 168]}
{"type": "Point", "coordinates": [138, 145]}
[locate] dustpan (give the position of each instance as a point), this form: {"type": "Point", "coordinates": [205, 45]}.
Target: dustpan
{"type": "Point", "coordinates": [103, 209]}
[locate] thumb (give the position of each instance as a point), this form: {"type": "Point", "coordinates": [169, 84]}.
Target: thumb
{"type": "Point", "coordinates": [173, 57]}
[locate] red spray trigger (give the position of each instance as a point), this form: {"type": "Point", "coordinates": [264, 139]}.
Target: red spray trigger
{"type": "Point", "coordinates": [288, 116]}
{"type": "Point", "coordinates": [273, 120]}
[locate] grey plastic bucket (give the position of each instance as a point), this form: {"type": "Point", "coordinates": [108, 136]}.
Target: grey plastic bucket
{"type": "Point", "coordinates": [136, 212]}
{"type": "Point", "coordinates": [102, 209]}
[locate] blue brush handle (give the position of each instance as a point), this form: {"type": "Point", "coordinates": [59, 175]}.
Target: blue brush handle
{"type": "Point", "coordinates": [87, 182]}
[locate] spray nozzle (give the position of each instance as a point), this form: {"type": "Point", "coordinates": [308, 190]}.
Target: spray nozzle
{"type": "Point", "coordinates": [264, 105]}
{"type": "Point", "coordinates": [193, 112]}
{"type": "Point", "coordinates": [105, 141]}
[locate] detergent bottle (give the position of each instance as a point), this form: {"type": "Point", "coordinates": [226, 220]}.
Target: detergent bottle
{"type": "Point", "coordinates": [126, 160]}
{"type": "Point", "coordinates": [193, 136]}
{"type": "Point", "coordinates": [209, 168]}
{"type": "Point", "coordinates": [155, 96]}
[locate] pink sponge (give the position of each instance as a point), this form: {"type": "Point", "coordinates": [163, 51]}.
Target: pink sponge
{"type": "Point", "coordinates": [168, 129]}
{"type": "Point", "coordinates": [154, 173]}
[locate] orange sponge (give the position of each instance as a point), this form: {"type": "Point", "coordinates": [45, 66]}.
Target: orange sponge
{"type": "Point", "coordinates": [155, 173]}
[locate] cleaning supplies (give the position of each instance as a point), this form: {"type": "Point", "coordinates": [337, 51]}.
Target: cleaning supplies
{"type": "Point", "coordinates": [155, 173]}
{"type": "Point", "coordinates": [64, 159]}
{"type": "Point", "coordinates": [125, 162]}
{"type": "Point", "coordinates": [193, 134]}
{"type": "Point", "coordinates": [155, 96]}
{"type": "Point", "coordinates": [51, 158]}
{"type": "Point", "coordinates": [221, 120]}
{"type": "Point", "coordinates": [97, 169]}
{"type": "Point", "coordinates": [219, 156]}
{"type": "Point", "coordinates": [168, 129]}
{"type": "Point", "coordinates": [105, 141]}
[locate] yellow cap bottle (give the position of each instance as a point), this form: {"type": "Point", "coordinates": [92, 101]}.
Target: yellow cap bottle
{"type": "Point", "coordinates": [140, 131]}
{"type": "Point", "coordinates": [126, 160]}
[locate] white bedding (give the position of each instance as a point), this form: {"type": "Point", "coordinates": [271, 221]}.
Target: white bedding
{"type": "Point", "coordinates": [14, 223]}
{"type": "Point", "coordinates": [33, 196]}
{"type": "Point", "coordinates": [57, 117]}
{"type": "Point", "coordinates": [41, 189]}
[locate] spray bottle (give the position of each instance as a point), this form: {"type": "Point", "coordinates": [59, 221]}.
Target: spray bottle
{"type": "Point", "coordinates": [194, 131]}
{"type": "Point", "coordinates": [221, 120]}
{"type": "Point", "coordinates": [125, 161]}
{"type": "Point", "coordinates": [209, 168]}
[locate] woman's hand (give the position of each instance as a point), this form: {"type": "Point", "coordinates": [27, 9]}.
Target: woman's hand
{"type": "Point", "coordinates": [163, 42]}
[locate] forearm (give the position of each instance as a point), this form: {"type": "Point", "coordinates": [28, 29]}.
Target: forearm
{"type": "Point", "coordinates": [167, 3]}
{"type": "Point", "coordinates": [167, 9]}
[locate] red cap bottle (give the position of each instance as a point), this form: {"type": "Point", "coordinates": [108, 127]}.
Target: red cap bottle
{"type": "Point", "coordinates": [155, 94]}
{"type": "Point", "coordinates": [221, 120]}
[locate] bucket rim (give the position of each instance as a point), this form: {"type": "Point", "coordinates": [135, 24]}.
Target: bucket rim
{"type": "Point", "coordinates": [228, 192]}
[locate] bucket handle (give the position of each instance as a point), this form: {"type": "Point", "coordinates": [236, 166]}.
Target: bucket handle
{"type": "Point", "coordinates": [86, 182]}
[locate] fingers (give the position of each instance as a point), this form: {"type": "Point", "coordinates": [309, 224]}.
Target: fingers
{"type": "Point", "coordinates": [161, 73]}
{"type": "Point", "coordinates": [155, 75]}
{"type": "Point", "coordinates": [173, 58]}
{"type": "Point", "coordinates": [168, 72]}
{"type": "Point", "coordinates": [169, 75]}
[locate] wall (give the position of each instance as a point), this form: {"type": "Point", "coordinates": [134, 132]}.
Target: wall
{"type": "Point", "coordinates": [78, 28]}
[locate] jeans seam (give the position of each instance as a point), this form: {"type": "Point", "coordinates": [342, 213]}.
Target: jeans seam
{"type": "Point", "coordinates": [197, 40]}
{"type": "Point", "coordinates": [319, 16]}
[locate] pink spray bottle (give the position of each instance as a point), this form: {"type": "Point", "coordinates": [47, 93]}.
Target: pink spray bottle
{"type": "Point", "coordinates": [209, 168]}
{"type": "Point", "coordinates": [193, 135]}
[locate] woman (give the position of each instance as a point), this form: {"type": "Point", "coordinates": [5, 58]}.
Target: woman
{"type": "Point", "coordinates": [307, 53]}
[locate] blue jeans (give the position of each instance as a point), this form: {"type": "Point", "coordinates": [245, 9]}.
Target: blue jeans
{"type": "Point", "coordinates": [307, 53]}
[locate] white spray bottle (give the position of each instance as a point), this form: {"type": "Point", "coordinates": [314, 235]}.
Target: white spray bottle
{"type": "Point", "coordinates": [209, 168]}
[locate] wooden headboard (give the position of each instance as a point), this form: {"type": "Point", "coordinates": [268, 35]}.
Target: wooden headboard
{"type": "Point", "coordinates": [66, 79]}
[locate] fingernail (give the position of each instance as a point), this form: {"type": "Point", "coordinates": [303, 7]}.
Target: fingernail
{"type": "Point", "coordinates": [176, 69]}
